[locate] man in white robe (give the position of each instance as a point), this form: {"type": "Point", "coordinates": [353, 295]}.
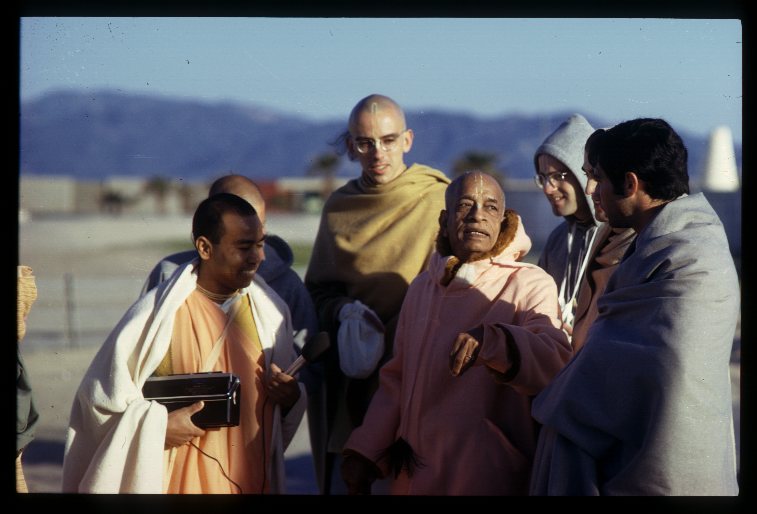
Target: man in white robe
{"type": "Point", "coordinates": [116, 438]}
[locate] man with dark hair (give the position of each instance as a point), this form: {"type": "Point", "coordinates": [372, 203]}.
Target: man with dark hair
{"type": "Point", "coordinates": [276, 270]}
{"type": "Point", "coordinates": [645, 407]}
{"type": "Point", "coordinates": [212, 314]}
{"type": "Point", "coordinates": [610, 244]}
{"type": "Point", "coordinates": [373, 240]}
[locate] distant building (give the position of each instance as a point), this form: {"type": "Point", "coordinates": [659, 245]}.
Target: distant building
{"type": "Point", "coordinates": [55, 195]}
{"type": "Point", "coordinates": [42, 194]}
{"type": "Point", "coordinates": [49, 195]}
{"type": "Point", "coordinates": [719, 173]}
{"type": "Point", "coordinates": [305, 194]}
{"type": "Point", "coordinates": [721, 185]}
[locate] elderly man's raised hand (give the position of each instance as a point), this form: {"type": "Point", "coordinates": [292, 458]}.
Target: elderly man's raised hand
{"type": "Point", "coordinates": [465, 350]}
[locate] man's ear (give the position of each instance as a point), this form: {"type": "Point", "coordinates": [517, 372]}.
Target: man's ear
{"type": "Point", "coordinates": [407, 140]}
{"type": "Point", "coordinates": [631, 183]}
{"type": "Point", "coordinates": [204, 247]}
{"type": "Point", "coordinates": [443, 222]}
{"type": "Point", "coordinates": [350, 145]}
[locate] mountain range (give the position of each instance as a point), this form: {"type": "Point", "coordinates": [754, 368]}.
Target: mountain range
{"type": "Point", "coordinates": [94, 135]}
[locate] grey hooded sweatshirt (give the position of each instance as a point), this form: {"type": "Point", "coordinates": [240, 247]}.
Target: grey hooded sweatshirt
{"type": "Point", "coordinates": [568, 245]}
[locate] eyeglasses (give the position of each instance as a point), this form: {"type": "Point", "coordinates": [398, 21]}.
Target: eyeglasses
{"type": "Point", "coordinates": [552, 178]}
{"type": "Point", "coordinates": [387, 143]}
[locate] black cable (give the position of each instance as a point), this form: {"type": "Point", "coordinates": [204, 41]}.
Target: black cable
{"type": "Point", "coordinates": [262, 429]}
{"type": "Point", "coordinates": [219, 465]}
{"type": "Point", "coordinates": [262, 425]}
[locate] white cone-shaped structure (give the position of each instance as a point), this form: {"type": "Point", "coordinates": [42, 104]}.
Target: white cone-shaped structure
{"type": "Point", "coordinates": [720, 174]}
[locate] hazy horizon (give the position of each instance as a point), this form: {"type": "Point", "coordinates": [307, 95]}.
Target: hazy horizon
{"type": "Point", "coordinates": [688, 71]}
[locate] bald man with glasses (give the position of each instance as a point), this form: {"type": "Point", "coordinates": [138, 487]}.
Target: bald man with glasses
{"type": "Point", "coordinates": [376, 235]}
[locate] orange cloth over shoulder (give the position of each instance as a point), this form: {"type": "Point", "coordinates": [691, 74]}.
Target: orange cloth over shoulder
{"type": "Point", "coordinates": [242, 452]}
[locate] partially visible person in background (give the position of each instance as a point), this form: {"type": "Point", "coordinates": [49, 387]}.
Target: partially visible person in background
{"type": "Point", "coordinates": [558, 163]}
{"type": "Point", "coordinates": [26, 413]}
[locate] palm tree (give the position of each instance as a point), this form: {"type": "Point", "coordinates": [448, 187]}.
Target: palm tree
{"type": "Point", "coordinates": [478, 161]}
{"type": "Point", "coordinates": [159, 187]}
{"type": "Point", "coordinates": [186, 197]}
{"type": "Point", "coordinates": [325, 165]}
{"type": "Point", "coordinates": [112, 202]}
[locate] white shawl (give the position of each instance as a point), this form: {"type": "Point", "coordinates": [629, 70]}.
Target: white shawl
{"type": "Point", "coordinates": [115, 440]}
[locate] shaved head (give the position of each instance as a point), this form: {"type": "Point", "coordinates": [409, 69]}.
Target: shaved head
{"type": "Point", "coordinates": [243, 187]}
{"type": "Point", "coordinates": [375, 104]}
{"type": "Point", "coordinates": [377, 125]}
{"type": "Point", "coordinates": [452, 193]}
{"type": "Point", "coordinates": [473, 218]}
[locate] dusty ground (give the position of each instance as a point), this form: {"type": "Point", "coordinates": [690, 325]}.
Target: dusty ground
{"type": "Point", "coordinates": [106, 261]}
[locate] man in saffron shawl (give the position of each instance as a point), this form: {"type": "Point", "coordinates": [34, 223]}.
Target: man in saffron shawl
{"type": "Point", "coordinates": [373, 240]}
{"type": "Point", "coordinates": [212, 314]}
{"type": "Point", "coordinates": [478, 335]}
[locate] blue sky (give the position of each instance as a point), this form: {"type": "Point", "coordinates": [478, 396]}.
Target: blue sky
{"type": "Point", "coordinates": [688, 71]}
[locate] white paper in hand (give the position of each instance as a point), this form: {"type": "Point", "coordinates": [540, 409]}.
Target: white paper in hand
{"type": "Point", "coordinates": [360, 342]}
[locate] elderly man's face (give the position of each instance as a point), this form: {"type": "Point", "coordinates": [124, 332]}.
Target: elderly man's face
{"type": "Point", "coordinates": [474, 219]}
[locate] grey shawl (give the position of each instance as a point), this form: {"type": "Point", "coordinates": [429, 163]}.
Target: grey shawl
{"type": "Point", "coordinates": [645, 407]}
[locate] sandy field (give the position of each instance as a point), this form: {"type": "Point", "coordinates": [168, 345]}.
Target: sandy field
{"type": "Point", "coordinates": [89, 271]}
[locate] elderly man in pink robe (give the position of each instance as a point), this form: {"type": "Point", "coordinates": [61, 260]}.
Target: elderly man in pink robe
{"type": "Point", "coordinates": [478, 335]}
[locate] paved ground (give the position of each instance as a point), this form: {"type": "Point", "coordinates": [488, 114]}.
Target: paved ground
{"type": "Point", "coordinates": [106, 261]}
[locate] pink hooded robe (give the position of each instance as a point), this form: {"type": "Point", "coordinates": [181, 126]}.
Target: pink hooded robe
{"type": "Point", "coordinates": [473, 434]}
